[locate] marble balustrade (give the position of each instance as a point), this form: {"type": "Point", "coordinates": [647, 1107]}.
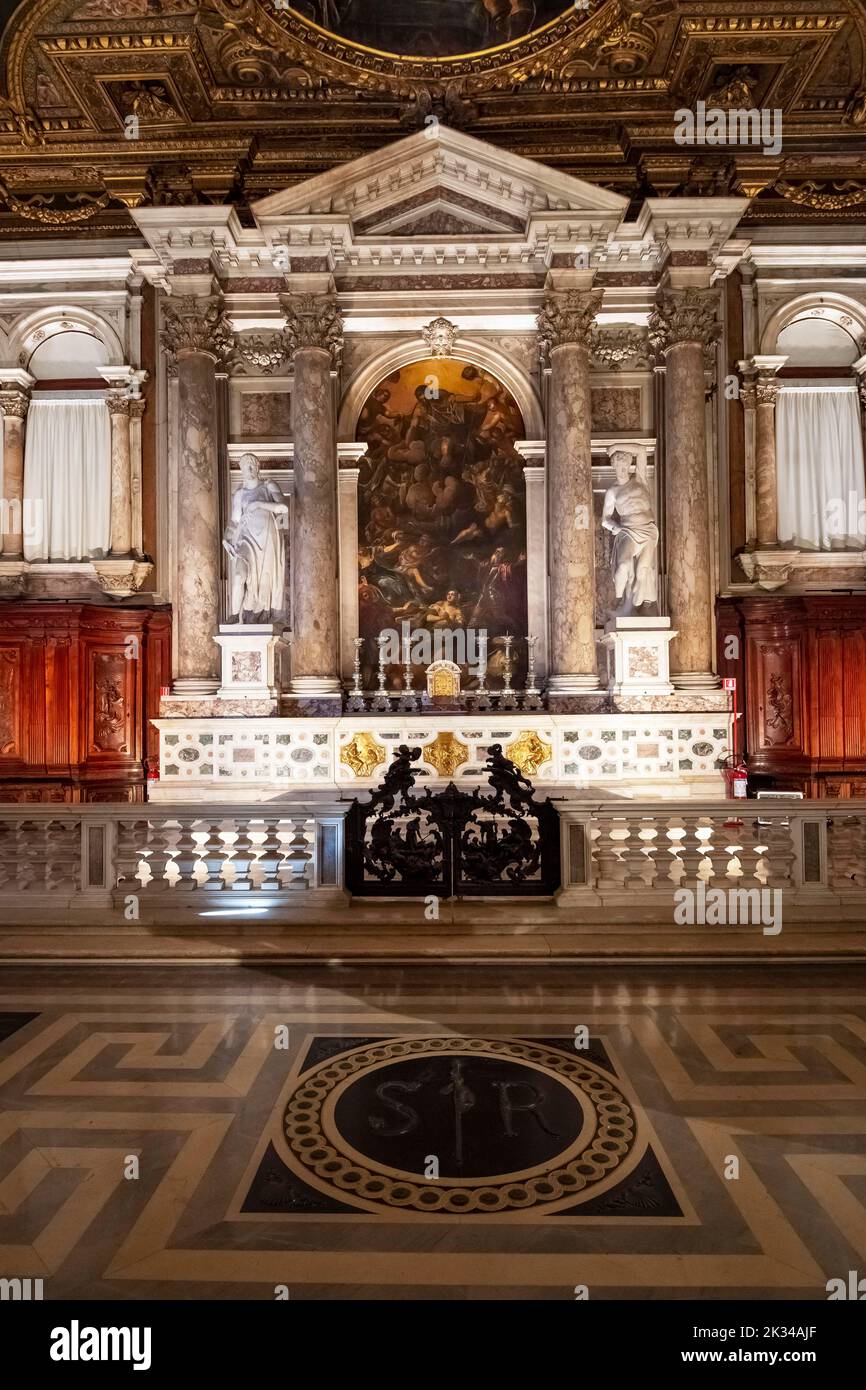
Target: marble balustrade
{"type": "Point", "coordinates": [108, 856]}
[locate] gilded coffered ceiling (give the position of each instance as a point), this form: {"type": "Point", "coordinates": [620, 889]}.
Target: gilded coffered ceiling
{"type": "Point", "coordinates": [109, 105]}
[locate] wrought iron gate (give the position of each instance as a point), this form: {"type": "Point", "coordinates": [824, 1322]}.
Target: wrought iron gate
{"type": "Point", "coordinates": [452, 843]}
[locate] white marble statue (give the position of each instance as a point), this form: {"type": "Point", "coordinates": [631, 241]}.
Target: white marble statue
{"type": "Point", "coordinates": [255, 539]}
{"type": "Point", "coordinates": [628, 515]}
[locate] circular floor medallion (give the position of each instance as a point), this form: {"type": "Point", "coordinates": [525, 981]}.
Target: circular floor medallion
{"type": "Point", "coordinates": [510, 1123]}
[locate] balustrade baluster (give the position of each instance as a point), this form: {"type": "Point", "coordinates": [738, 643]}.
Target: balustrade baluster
{"type": "Point", "coordinates": [158, 860]}
{"type": "Point", "coordinates": [215, 857]}
{"type": "Point", "coordinates": [780, 856]}
{"type": "Point", "coordinates": [8, 855]}
{"type": "Point", "coordinates": [295, 866]}
{"type": "Point", "coordinates": [186, 857]}
{"type": "Point", "coordinates": [130, 843]}
{"type": "Point", "coordinates": [63, 862]}
{"type": "Point", "coordinates": [271, 855]}
{"type": "Point", "coordinates": [32, 856]}
{"type": "Point", "coordinates": [607, 853]}
{"type": "Point", "coordinates": [243, 856]}
{"type": "Point", "coordinates": [845, 851]}
{"type": "Point", "coordinates": [692, 851]}
{"type": "Point", "coordinates": [751, 841]}
{"type": "Point", "coordinates": [634, 858]}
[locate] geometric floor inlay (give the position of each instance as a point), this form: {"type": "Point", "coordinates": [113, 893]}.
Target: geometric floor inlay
{"type": "Point", "coordinates": [456, 1125]}
{"type": "Point", "coordinates": [11, 1022]}
{"type": "Point", "coordinates": [393, 1132]}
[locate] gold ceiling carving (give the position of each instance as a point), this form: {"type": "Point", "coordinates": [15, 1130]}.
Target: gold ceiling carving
{"type": "Point", "coordinates": [237, 98]}
{"type": "Point", "coordinates": [828, 197]}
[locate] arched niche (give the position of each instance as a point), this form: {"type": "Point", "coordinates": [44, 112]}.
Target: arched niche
{"type": "Point", "coordinates": [49, 341]}
{"type": "Point", "coordinates": [471, 351]}
{"type": "Point", "coordinates": [814, 324]}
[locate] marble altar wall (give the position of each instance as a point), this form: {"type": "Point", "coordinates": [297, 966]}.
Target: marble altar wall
{"type": "Point", "coordinates": [643, 753]}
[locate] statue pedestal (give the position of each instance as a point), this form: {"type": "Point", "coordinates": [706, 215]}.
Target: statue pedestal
{"type": "Point", "coordinates": [640, 651]}
{"type": "Point", "coordinates": [248, 661]}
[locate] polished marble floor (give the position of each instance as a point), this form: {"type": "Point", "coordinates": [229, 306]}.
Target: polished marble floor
{"type": "Point", "coordinates": [432, 1131]}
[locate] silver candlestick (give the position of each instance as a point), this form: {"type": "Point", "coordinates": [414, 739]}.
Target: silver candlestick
{"type": "Point", "coordinates": [407, 700]}
{"type": "Point", "coordinates": [381, 702]}
{"type": "Point", "coordinates": [531, 694]}
{"type": "Point", "coordinates": [357, 704]}
{"type": "Point", "coordinates": [507, 695]}
{"type": "Point", "coordinates": [481, 695]}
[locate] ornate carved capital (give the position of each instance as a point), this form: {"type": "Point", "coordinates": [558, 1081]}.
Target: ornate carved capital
{"type": "Point", "coordinates": [15, 402]}
{"type": "Point", "coordinates": [118, 403]}
{"type": "Point", "coordinates": [313, 321]}
{"type": "Point", "coordinates": [766, 392]}
{"type": "Point", "coordinates": [136, 407]}
{"type": "Point", "coordinates": [767, 568]}
{"type": "Point", "coordinates": [749, 396]}
{"type": "Point", "coordinates": [684, 316]}
{"type": "Point", "coordinates": [121, 577]}
{"type": "Point", "coordinates": [568, 316]}
{"type": "Point", "coordinates": [197, 325]}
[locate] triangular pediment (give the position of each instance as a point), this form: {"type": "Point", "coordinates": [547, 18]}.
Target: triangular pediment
{"type": "Point", "coordinates": [440, 181]}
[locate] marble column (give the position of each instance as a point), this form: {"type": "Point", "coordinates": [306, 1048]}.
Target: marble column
{"type": "Point", "coordinates": [536, 547]}
{"type": "Point", "coordinates": [121, 475]}
{"type": "Point", "coordinates": [564, 326]}
{"type": "Point", "coordinates": [749, 402]}
{"type": "Point", "coordinates": [198, 336]}
{"type": "Point", "coordinates": [15, 401]}
{"type": "Point", "coordinates": [313, 337]}
{"type": "Point", "coordinates": [683, 327]}
{"type": "Point", "coordinates": [136, 411]}
{"type": "Point", "coordinates": [766, 508]}
{"type": "Point", "coordinates": [860, 371]}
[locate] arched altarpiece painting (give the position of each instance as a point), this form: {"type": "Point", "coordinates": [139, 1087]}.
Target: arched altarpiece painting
{"type": "Point", "coordinates": [442, 508]}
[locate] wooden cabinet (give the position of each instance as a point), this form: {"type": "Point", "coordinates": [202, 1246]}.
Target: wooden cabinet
{"type": "Point", "coordinates": [79, 684]}
{"type": "Point", "coordinates": [801, 669]}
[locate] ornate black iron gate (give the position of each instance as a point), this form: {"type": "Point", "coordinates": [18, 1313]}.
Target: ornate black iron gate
{"type": "Point", "coordinates": [452, 843]}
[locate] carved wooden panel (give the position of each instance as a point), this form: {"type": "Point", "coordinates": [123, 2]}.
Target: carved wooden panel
{"type": "Point", "coordinates": [803, 685]}
{"type": "Point", "coordinates": [75, 710]}
{"type": "Point", "coordinates": [853, 687]}
{"type": "Point", "coordinates": [111, 703]}
{"type": "Point", "coordinates": [10, 701]}
{"type": "Point", "coordinates": [777, 710]}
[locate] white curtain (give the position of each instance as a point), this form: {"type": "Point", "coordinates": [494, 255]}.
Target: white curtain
{"type": "Point", "coordinates": [67, 480]}
{"type": "Point", "coordinates": [819, 465]}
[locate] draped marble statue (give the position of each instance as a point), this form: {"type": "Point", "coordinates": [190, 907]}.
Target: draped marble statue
{"type": "Point", "coordinates": [255, 540]}
{"type": "Point", "coordinates": [628, 514]}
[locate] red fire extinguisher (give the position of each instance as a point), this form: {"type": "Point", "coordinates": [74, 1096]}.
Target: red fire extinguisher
{"type": "Point", "coordinates": [734, 768]}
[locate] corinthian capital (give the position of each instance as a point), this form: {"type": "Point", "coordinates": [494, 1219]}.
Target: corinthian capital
{"type": "Point", "coordinates": [766, 392]}
{"type": "Point", "coordinates": [197, 325]}
{"type": "Point", "coordinates": [313, 321]}
{"type": "Point", "coordinates": [117, 402]}
{"type": "Point", "coordinates": [684, 316]}
{"type": "Point", "coordinates": [568, 316]}
{"type": "Point", "coordinates": [14, 402]}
